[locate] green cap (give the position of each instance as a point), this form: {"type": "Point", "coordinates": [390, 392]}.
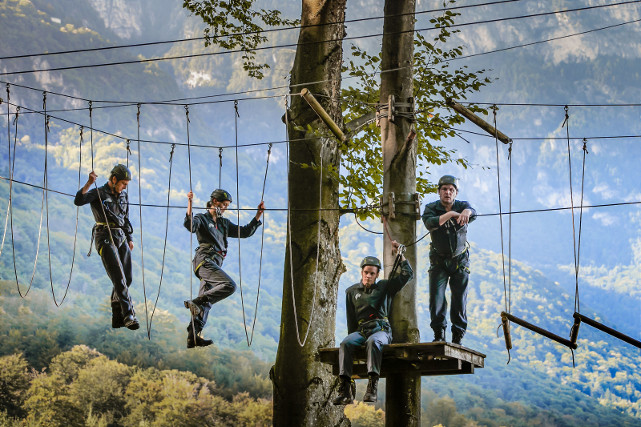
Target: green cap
{"type": "Point", "coordinates": [371, 260]}
{"type": "Point", "coordinates": [448, 179]}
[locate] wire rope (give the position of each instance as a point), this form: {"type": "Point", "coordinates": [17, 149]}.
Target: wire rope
{"type": "Point", "coordinates": [191, 227]}
{"type": "Point", "coordinates": [498, 183]}
{"type": "Point", "coordinates": [6, 218]}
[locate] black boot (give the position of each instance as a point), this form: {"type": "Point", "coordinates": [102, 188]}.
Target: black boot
{"type": "Point", "coordinates": [439, 335]}
{"type": "Point", "coordinates": [457, 336]}
{"type": "Point", "coordinates": [131, 322]}
{"type": "Point", "coordinates": [345, 393]}
{"type": "Point", "coordinates": [371, 392]}
{"type": "Point", "coordinates": [198, 342]}
{"type": "Point", "coordinates": [116, 316]}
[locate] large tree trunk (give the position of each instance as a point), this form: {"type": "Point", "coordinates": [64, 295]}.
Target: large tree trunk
{"type": "Point", "coordinates": [402, 392]}
{"type": "Point", "coordinates": [303, 386]}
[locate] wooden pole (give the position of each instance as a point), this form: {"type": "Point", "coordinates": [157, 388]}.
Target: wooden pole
{"type": "Point", "coordinates": [331, 124]}
{"type": "Point", "coordinates": [403, 391]}
{"type": "Point", "coordinates": [479, 121]}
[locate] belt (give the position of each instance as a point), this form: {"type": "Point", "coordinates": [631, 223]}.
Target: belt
{"type": "Point", "coordinates": [110, 225]}
{"type": "Point", "coordinates": [449, 256]}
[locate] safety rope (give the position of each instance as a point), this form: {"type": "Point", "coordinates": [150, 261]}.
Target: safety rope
{"type": "Point", "coordinates": [142, 247]}
{"type": "Point", "coordinates": [566, 123]}
{"type": "Point", "coordinates": [289, 236]}
{"type": "Point", "coordinates": [262, 241]}
{"type": "Point", "coordinates": [102, 206]}
{"type": "Point", "coordinates": [498, 181]}
{"type": "Point", "coordinates": [6, 218]}
{"type": "Point", "coordinates": [191, 226]}
{"type": "Point", "coordinates": [164, 249]}
{"type": "Point", "coordinates": [220, 167]}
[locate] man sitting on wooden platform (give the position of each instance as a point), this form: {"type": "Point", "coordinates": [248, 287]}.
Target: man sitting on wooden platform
{"type": "Point", "coordinates": [368, 304]}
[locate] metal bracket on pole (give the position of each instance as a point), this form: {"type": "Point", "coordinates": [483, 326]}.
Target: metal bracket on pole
{"type": "Point", "coordinates": [331, 124]}
{"type": "Point", "coordinates": [391, 206]}
{"type": "Point", "coordinates": [391, 108]}
{"type": "Point", "coordinates": [479, 121]}
{"type": "Point", "coordinates": [417, 206]}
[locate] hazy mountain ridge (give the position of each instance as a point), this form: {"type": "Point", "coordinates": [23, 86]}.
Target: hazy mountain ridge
{"type": "Point", "coordinates": [536, 298]}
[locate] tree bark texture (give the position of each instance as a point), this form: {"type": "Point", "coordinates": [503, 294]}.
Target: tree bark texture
{"type": "Point", "coordinates": [303, 387]}
{"type": "Point", "coordinates": [402, 392]}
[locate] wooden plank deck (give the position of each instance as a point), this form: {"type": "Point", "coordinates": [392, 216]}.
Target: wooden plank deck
{"type": "Point", "coordinates": [424, 359]}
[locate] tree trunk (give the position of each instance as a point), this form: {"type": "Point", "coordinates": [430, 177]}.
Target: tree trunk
{"type": "Point", "coordinates": [402, 392]}
{"type": "Point", "coordinates": [303, 386]}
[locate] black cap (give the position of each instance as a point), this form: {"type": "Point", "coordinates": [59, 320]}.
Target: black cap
{"type": "Point", "coordinates": [221, 195]}
{"type": "Point", "coordinates": [121, 172]}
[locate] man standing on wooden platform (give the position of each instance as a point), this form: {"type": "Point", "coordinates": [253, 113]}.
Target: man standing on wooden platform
{"type": "Point", "coordinates": [368, 305]}
{"type": "Point", "coordinates": [447, 220]}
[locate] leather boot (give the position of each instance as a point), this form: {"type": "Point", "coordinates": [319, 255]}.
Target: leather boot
{"type": "Point", "coordinates": [439, 335]}
{"type": "Point", "coordinates": [131, 322]}
{"type": "Point", "coordinates": [345, 394]}
{"type": "Point", "coordinates": [372, 386]}
{"type": "Point", "coordinates": [457, 336]}
{"type": "Point", "coordinates": [198, 342]}
{"type": "Point", "coordinates": [116, 316]}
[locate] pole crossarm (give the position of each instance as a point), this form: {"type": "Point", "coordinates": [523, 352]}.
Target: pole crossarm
{"type": "Point", "coordinates": [479, 121]}
{"type": "Point", "coordinates": [331, 124]}
{"type": "Point", "coordinates": [578, 318]}
{"type": "Point", "coordinates": [539, 330]}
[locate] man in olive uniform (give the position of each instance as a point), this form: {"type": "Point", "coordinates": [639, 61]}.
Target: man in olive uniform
{"type": "Point", "coordinates": [212, 231]}
{"type": "Point", "coordinates": [110, 208]}
{"type": "Point", "coordinates": [368, 304]}
{"type": "Point", "coordinates": [447, 220]}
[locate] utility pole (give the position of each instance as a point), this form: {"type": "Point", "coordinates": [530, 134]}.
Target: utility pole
{"type": "Point", "coordinates": [403, 392]}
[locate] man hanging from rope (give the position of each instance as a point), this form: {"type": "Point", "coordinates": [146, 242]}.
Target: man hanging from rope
{"type": "Point", "coordinates": [447, 220]}
{"type": "Point", "coordinates": [368, 304]}
{"type": "Point", "coordinates": [110, 207]}
{"type": "Point", "coordinates": [212, 231]}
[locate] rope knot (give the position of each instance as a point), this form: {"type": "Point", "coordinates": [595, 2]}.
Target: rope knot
{"type": "Point", "coordinates": [585, 146]}
{"type": "Point", "coordinates": [15, 119]}
{"type": "Point", "coordinates": [171, 154]}
{"type": "Point", "coordinates": [236, 107]}
{"type": "Point", "coordinates": [187, 112]}
{"type": "Point", "coordinates": [44, 100]}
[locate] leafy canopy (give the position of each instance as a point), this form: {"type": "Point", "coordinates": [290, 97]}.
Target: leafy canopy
{"type": "Point", "coordinates": [435, 81]}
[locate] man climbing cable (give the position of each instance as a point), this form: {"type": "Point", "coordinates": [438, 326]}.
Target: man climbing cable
{"type": "Point", "coordinates": [447, 220]}
{"type": "Point", "coordinates": [110, 208]}
{"type": "Point", "coordinates": [368, 304]}
{"type": "Point", "coordinates": [212, 231]}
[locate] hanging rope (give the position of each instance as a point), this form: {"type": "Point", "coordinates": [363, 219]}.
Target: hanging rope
{"type": "Point", "coordinates": [191, 225]}
{"type": "Point", "coordinates": [577, 307]}
{"type": "Point", "coordinates": [164, 249]}
{"type": "Point", "coordinates": [262, 240]}
{"type": "Point", "coordinates": [42, 209]}
{"type": "Point", "coordinates": [240, 270]}
{"type": "Point", "coordinates": [566, 123]}
{"type": "Point", "coordinates": [75, 236]}
{"type": "Point", "coordinates": [289, 234]}
{"type": "Point", "coordinates": [142, 250]}
{"type": "Point", "coordinates": [498, 183]}
{"type": "Point", "coordinates": [6, 218]}
{"type": "Point", "coordinates": [220, 167]}
{"type": "Point", "coordinates": [509, 233]}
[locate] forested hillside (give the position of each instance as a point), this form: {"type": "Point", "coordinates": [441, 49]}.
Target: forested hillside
{"type": "Point", "coordinates": [538, 386]}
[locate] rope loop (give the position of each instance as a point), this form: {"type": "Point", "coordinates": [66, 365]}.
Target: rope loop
{"type": "Point", "coordinates": [15, 119]}
{"type": "Point", "coordinates": [44, 100]}
{"type": "Point", "coordinates": [236, 107]}
{"type": "Point", "coordinates": [585, 146]}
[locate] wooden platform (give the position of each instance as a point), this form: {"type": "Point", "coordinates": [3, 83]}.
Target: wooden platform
{"type": "Point", "coordinates": [424, 359]}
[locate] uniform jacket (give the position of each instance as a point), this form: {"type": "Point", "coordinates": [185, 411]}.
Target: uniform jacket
{"type": "Point", "coordinates": [212, 235]}
{"type": "Point", "coordinates": [449, 239]}
{"type": "Point", "coordinates": [363, 305]}
{"type": "Point", "coordinates": [116, 207]}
